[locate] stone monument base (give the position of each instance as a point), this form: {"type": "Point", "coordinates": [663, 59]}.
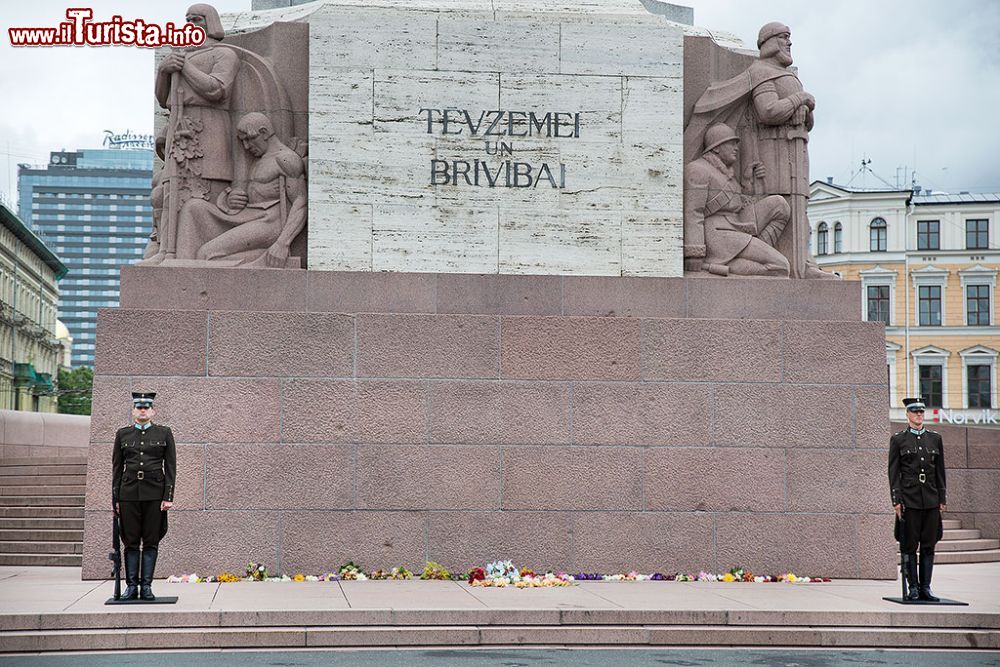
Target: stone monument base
{"type": "Point", "coordinates": [577, 423]}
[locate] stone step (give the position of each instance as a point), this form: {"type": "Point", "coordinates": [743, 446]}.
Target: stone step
{"type": "Point", "coordinates": [43, 480]}
{"type": "Point", "coordinates": [40, 535]}
{"type": "Point", "coordinates": [984, 556]}
{"type": "Point", "coordinates": [967, 545]}
{"type": "Point", "coordinates": [951, 524]}
{"type": "Point", "coordinates": [64, 469]}
{"type": "Point", "coordinates": [41, 547]}
{"type": "Point", "coordinates": [44, 461]}
{"type": "Point", "coordinates": [962, 534]}
{"type": "Point", "coordinates": [472, 635]}
{"type": "Point", "coordinates": [36, 490]}
{"type": "Point", "coordinates": [87, 618]}
{"type": "Point", "coordinates": [35, 523]}
{"type": "Point", "coordinates": [33, 512]}
{"type": "Point", "coordinates": [42, 501]}
{"type": "Point", "coordinates": [42, 560]}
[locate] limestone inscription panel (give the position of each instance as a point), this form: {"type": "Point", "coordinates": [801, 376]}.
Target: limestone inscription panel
{"type": "Point", "coordinates": [469, 138]}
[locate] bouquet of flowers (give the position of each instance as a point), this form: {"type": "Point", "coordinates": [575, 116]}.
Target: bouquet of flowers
{"type": "Point", "coordinates": [256, 571]}
{"type": "Point", "coordinates": [351, 571]}
{"type": "Point", "coordinates": [435, 571]}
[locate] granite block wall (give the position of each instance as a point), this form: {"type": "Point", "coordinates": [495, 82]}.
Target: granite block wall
{"type": "Point", "coordinates": [972, 456]}
{"type": "Point", "coordinates": [26, 434]}
{"type": "Point", "coordinates": [575, 423]}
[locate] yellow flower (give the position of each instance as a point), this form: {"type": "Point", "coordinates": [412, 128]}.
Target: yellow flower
{"type": "Point", "coordinates": [728, 576]}
{"type": "Point", "coordinates": [792, 578]}
{"type": "Point", "coordinates": [299, 577]}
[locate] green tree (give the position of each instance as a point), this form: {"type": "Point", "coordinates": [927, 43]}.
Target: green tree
{"type": "Point", "coordinates": [74, 390]}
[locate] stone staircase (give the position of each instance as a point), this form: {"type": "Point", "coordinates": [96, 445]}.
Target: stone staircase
{"type": "Point", "coordinates": [319, 629]}
{"type": "Point", "coordinates": [41, 511]}
{"type": "Point", "coordinates": [965, 545]}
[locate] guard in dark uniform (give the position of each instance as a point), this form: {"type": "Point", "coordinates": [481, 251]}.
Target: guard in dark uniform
{"type": "Point", "coordinates": [144, 466]}
{"type": "Point", "coordinates": [916, 478]}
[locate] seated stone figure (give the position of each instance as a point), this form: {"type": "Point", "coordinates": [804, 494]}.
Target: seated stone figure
{"type": "Point", "coordinates": [739, 232]}
{"type": "Point", "coordinates": [255, 227]}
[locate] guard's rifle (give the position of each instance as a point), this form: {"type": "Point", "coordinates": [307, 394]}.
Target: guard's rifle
{"type": "Point", "coordinates": [903, 556]}
{"type": "Point", "coordinates": [116, 554]}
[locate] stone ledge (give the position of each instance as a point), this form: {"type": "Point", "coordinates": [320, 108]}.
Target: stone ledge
{"type": "Point", "coordinates": [489, 294]}
{"type": "Point", "coordinates": [498, 635]}
{"type": "Point", "coordinates": [484, 617]}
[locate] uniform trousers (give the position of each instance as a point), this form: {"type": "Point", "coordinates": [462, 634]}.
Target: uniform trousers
{"type": "Point", "coordinates": [140, 521]}
{"type": "Point", "coordinates": [921, 527]}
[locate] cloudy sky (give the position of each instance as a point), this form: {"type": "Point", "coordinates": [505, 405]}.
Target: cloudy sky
{"type": "Point", "coordinates": [904, 83]}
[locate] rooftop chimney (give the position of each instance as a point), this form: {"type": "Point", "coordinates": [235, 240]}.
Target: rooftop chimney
{"type": "Point", "coordinates": [829, 180]}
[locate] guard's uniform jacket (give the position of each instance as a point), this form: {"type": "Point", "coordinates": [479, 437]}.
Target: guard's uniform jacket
{"type": "Point", "coordinates": [916, 470]}
{"type": "Point", "coordinates": [144, 464]}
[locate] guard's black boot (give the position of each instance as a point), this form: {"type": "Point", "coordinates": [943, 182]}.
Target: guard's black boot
{"type": "Point", "coordinates": [131, 575]}
{"type": "Point", "coordinates": [926, 568]}
{"type": "Point", "coordinates": [912, 584]}
{"type": "Point", "coordinates": [148, 567]}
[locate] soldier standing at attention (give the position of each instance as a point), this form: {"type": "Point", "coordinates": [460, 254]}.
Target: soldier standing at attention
{"type": "Point", "coordinates": [916, 479]}
{"type": "Point", "coordinates": [144, 467]}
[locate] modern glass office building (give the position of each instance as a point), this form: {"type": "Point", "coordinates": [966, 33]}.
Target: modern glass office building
{"type": "Point", "coordinates": [91, 207]}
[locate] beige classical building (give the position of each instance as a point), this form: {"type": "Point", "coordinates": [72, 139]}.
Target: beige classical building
{"type": "Point", "coordinates": [928, 265]}
{"type": "Point", "coordinates": [33, 343]}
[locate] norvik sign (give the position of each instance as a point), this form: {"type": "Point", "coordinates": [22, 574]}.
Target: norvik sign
{"type": "Point", "coordinates": [966, 417]}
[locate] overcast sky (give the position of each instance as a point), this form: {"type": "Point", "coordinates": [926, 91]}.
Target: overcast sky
{"type": "Point", "coordinates": [912, 83]}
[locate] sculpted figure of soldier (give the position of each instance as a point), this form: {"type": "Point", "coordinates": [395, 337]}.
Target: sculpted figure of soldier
{"type": "Point", "coordinates": [740, 233]}
{"type": "Point", "coordinates": [269, 213]}
{"type": "Point", "coordinates": [768, 109]}
{"type": "Point", "coordinates": [212, 202]}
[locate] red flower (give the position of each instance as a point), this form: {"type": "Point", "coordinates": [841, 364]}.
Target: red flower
{"type": "Point", "coordinates": [476, 574]}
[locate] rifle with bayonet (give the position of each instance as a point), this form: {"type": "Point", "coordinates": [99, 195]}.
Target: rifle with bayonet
{"type": "Point", "coordinates": [116, 554]}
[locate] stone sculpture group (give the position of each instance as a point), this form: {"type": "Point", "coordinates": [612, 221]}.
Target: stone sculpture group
{"type": "Point", "coordinates": [241, 207]}
{"type": "Point", "coordinates": [239, 199]}
{"type": "Point", "coordinates": [746, 188]}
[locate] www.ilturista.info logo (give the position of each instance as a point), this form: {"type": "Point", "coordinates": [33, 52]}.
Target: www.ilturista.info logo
{"type": "Point", "coordinates": [941, 416]}
{"type": "Point", "coordinates": [80, 30]}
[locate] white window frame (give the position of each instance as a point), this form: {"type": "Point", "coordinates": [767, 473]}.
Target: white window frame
{"type": "Point", "coordinates": [877, 276]}
{"type": "Point", "coordinates": [979, 355]}
{"type": "Point", "coordinates": [890, 360]}
{"type": "Point", "coordinates": [931, 355]}
{"type": "Point", "coordinates": [977, 275]}
{"type": "Point", "coordinates": [930, 276]}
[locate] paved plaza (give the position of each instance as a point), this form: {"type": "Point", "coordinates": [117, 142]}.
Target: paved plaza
{"type": "Point", "coordinates": [51, 609]}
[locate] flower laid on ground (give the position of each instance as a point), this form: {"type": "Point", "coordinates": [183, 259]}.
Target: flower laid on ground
{"type": "Point", "coordinates": [396, 573]}
{"type": "Point", "coordinates": [256, 571]}
{"type": "Point", "coordinates": [499, 574]}
{"type": "Point", "coordinates": [435, 571]}
{"type": "Point", "coordinates": [501, 568]}
{"type": "Point", "coordinates": [503, 573]}
{"type": "Point", "coordinates": [351, 571]}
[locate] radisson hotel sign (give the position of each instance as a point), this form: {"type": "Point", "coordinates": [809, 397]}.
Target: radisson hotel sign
{"type": "Point", "coordinates": [128, 140]}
